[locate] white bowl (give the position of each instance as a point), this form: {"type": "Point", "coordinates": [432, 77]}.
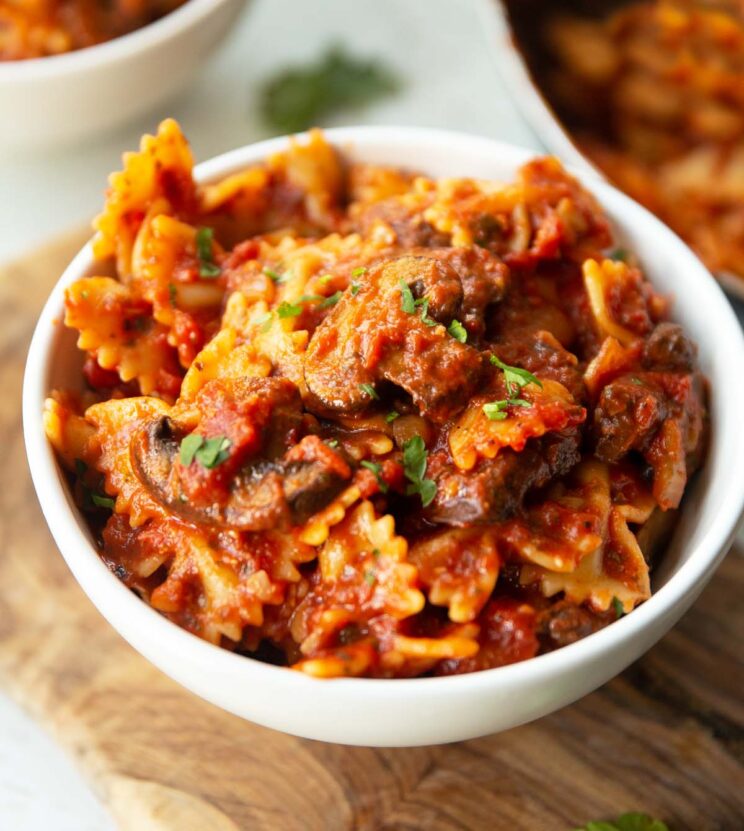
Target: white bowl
{"type": "Point", "coordinates": [424, 710]}
{"type": "Point", "coordinates": [62, 98]}
{"type": "Point", "coordinates": [529, 100]}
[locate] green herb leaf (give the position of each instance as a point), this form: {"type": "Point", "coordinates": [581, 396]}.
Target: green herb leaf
{"type": "Point", "coordinates": [298, 98]}
{"type": "Point", "coordinates": [102, 501]}
{"type": "Point", "coordinates": [331, 300]}
{"type": "Point", "coordinates": [355, 288]}
{"type": "Point", "coordinates": [618, 607]}
{"type": "Point", "coordinates": [391, 416]}
{"type": "Point", "coordinates": [358, 272]}
{"type": "Point", "coordinates": [423, 302]}
{"type": "Point", "coordinates": [207, 266]}
{"type": "Point", "coordinates": [407, 302]}
{"type": "Point", "coordinates": [619, 254]}
{"type": "Point", "coordinates": [458, 331]}
{"type": "Point", "coordinates": [495, 410]}
{"type": "Point", "coordinates": [332, 442]}
{"type": "Point", "coordinates": [274, 276]}
{"type": "Point", "coordinates": [370, 390]}
{"type": "Point", "coordinates": [189, 445]}
{"type": "Point", "coordinates": [369, 577]}
{"type": "Point", "coordinates": [286, 309]}
{"type": "Point", "coordinates": [172, 293]}
{"type": "Point", "coordinates": [515, 377]}
{"type": "Point", "coordinates": [414, 467]}
{"type": "Point", "coordinates": [627, 822]}
{"type": "Point", "coordinates": [213, 451]}
{"type": "Point", "coordinates": [376, 468]}
{"type": "Point", "coordinates": [325, 279]}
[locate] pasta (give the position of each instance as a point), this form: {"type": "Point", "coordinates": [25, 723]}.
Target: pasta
{"type": "Point", "coordinates": [653, 93]}
{"type": "Point", "coordinates": [360, 422]}
{"type": "Point", "coordinates": [40, 28]}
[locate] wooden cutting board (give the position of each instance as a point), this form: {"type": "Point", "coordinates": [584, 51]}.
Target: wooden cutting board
{"type": "Point", "coordinates": [666, 737]}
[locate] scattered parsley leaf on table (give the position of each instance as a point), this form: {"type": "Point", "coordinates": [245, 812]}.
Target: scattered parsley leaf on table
{"type": "Point", "coordinates": [299, 97]}
{"type": "Point", "coordinates": [627, 822]}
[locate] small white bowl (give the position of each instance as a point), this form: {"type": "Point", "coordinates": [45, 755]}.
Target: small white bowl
{"type": "Point", "coordinates": [424, 710]}
{"type": "Point", "coordinates": [62, 98]}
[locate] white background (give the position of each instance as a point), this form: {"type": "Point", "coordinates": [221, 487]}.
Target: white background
{"type": "Point", "coordinates": [442, 53]}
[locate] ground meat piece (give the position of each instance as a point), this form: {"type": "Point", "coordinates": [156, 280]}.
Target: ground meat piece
{"type": "Point", "coordinates": [495, 489]}
{"type": "Point", "coordinates": [371, 338]}
{"type": "Point", "coordinates": [627, 417]}
{"type": "Point", "coordinates": [565, 623]}
{"type": "Point", "coordinates": [410, 229]}
{"type": "Point", "coordinates": [667, 349]}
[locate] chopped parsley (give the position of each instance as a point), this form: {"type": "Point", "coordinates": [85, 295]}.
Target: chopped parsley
{"type": "Point", "coordinates": [299, 97]}
{"type": "Point", "coordinates": [619, 254]}
{"type": "Point", "coordinates": [207, 266]}
{"type": "Point", "coordinates": [332, 442]}
{"type": "Point", "coordinates": [355, 288]}
{"type": "Point", "coordinates": [286, 309]}
{"type": "Point", "coordinates": [618, 607]}
{"type": "Point", "coordinates": [515, 377]}
{"type": "Point", "coordinates": [414, 467]}
{"type": "Point", "coordinates": [369, 577]}
{"type": "Point", "coordinates": [376, 468]}
{"type": "Point", "coordinates": [208, 452]}
{"type": "Point", "coordinates": [496, 410]}
{"type": "Point", "coordinates": [275, 276]}
{"type": "Point", "coordinates": [458, 331]}
{"type": "Point", "coordinates": [102, 501]}
{"type": "Point", "coordinates": [633, 821]}
{"type": "Point", "coordinates": [391, 416]}
{"type": "Point", "coordinates": [408, 304]}
{"type": "Point", "coordinates": [331, 300]}
{"type": "Point", "coordinates": [358, 272]}
{"type": "Point", "coordinates": [370, 390]}
{"type": "Point", "coordinates": [172, 293]}
{"type": "Point", "coordinates": [423, 302]}
{"type": "Point", "coordinates": [325, 279]}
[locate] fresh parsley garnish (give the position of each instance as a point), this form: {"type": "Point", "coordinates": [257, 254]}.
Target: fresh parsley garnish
{"type": "Point", "coordinates": [391, 416]}
{"type": "Point", "coordinates": [207, 266]}
{"type": "Point", "coordinates": [496, 410]}
{"type": "Point", "coordinates": [619, 254]}
{"type": "Point", "coordinates": [423, 303]}
{"type": "Point", "coordinates": [369, 577]}
{"type": "Point", "coordinates": [208, 452]}
{"type": "Point", "coordinates": [332, 443]}
{"type": "Point", "coordinates": [370, 390]}
{"type": "Point", "coordinates": [299, 97]}
{"type": "Point", "coordinates": [286, 309]}
{"type": "Point", "coordinates": [172, 293]}
{"type": "Point", "coordinates": [618, 607]}
{"type": "Point", "coordinates": [274, 276]}
{"type": "Point", "coordinates": [633, 821]}
{"type": "Point", "coordinates": [376, 468]}
{"type": "Point", "coordinates": [102, 501]}
{"type": "Point", "coordinates": [458, 331]}
{"type": "Point", "coordinates": [359, 271]}
{"type": "Point", "coordinates": [408, 304]}
{"type": "Point", "coordinates": [414, 466]}
{"type": "Point", "coordinates": [515, 377]}
{"type": "Point", "coordinates": [325, 279]}
{"type": "Point", "coordinates": [355, 288]}
{"type": "Point", "coordinates": [331, 300]}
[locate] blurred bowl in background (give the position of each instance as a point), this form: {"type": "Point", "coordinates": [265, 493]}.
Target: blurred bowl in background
{"type": "Point", "coordinates": [538, 113]}
{"type": "Point", "coordinates": [63, 98]}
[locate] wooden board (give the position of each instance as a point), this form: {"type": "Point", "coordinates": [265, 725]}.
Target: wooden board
{"type": "Point", "coordinates": [666, 737]}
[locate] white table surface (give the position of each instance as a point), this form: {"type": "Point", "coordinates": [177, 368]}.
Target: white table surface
{"type": "Point", "coordinates": [442, 53]}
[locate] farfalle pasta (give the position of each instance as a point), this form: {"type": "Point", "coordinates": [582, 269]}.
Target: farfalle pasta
{"type": "Point", "coordinates": [359, 422]}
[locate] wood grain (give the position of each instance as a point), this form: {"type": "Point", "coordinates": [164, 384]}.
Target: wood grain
{"type": "Point", "coordinates": [667, 737]}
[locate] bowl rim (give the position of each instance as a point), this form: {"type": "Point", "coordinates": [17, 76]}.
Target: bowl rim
{"type": "Point", "coordinates": [127, 613]}
{"type": "Point", "coordinates": [110, 51]}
